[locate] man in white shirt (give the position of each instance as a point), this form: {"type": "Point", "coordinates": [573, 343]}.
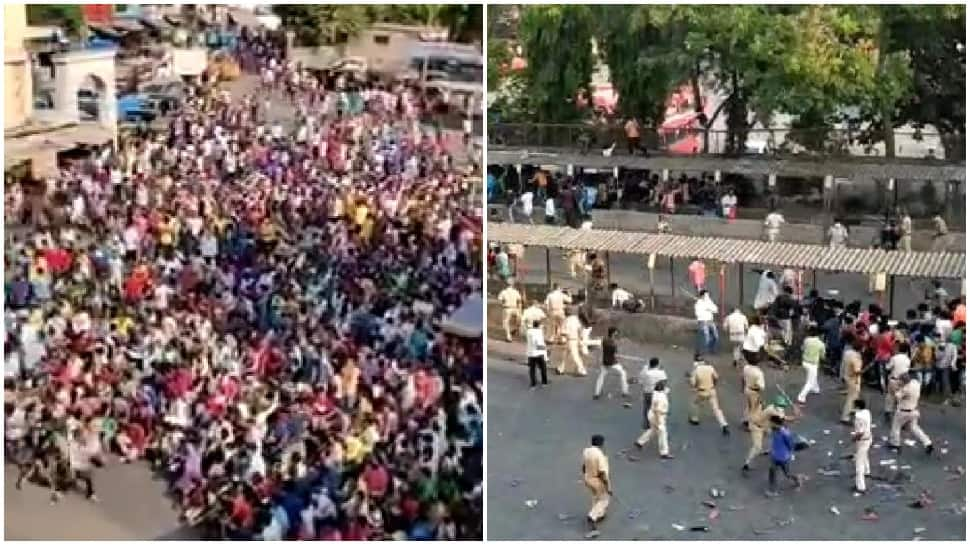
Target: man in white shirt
{"type": "Point", "coordinates": [704, 311]}
{"type": "Point", "coordinates": [535, 351]}
{"type": "Point", "coordinates": [862, 436]}
{"type": "Point", "coordinates": [767, 291]}
{"type": "Point", "coordinates": [906, 233]}
{"type": "Point", "coordinates": [838, 234]}
{"type": "Point", "coordinates": [550, 211]}
{"type": "Point", "coordinates": [754, 340]}
{"type": "Point", "coordinates": [511, 301]}
{"type": "Point", "coordinates": [526, 200]}
{"type": "Point", "coordinates": [773, 222]}
{"type": "Point", "coordinates": [650, 375]}
{"type": "Point", "coordinates": [619, 295]}
{"type": "Point", "coordinates": [728, 203]}
{"type": "Point", "coordinates": [907, 413]}
{"type": "Point", "coordinates": [736, 325]}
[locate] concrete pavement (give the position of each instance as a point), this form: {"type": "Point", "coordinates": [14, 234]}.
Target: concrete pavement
{"type": "Point", "coordinates": [132, 506]}
{"type": "Point", "coordinates": [535, 440]}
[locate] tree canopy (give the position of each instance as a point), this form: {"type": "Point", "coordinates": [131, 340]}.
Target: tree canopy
{"type": "Point", "coordinates": [867, 67]}
{"type": "Point", "coordinates": [317, 24]}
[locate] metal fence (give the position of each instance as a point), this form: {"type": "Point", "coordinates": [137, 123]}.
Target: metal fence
{"type": "Point", "coordinates": [688, 141]}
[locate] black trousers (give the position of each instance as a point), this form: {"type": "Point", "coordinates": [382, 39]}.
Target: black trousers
{"type": "Point", "coordinates": [87, 477]}
{"type": "Point", "coordinates": [773, 471]}
{"type": "Point", "coordinates": [540, 363]}
{"type": "Point", "coordinates": [647, 401]}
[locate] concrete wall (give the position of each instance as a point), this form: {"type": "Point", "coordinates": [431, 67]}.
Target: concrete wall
{"type": "Point", "coordinates": [702, 226]}
{"type": "Point", "coordinates": [71, 70]}
{"type": "Point", "coordinates": [641, 328]}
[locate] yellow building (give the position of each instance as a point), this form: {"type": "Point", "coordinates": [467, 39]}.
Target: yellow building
{"type": "Point", "coordinates": [18, 91]}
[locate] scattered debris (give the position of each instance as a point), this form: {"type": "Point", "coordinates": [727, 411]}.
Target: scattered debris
{"type": "Point", "coordinates": [515, 482]}
{"type": "Point", "coordinates": [909, 442]}
{"type": "Point", "coordinates": [829, 472]}
{"type": "Point", "coordinates": [835, 510]}
{"type": "Point", "coordinates": [710, 504]}
{"type": "Point", "coordinates": [592, 534]}
{"type": "Point", "coordinates": [700, 528]}
{"type": "Point", "coordinates": [634, 513]}
{"type": "Point", "coordinates": [531, 504]}
{"type": "Point", "coordinates": [781, 523]}
{"type": "Point", "coordinates": [563, 517]}
{"type": "Point", "coordinates": [829, 454]}
{"type": "Point", "coordinates": [713, 514]}
{"type": "Point", "coordinates": [841, 441]}
{"type": "Point", "coordinates": [633, 458]}
{"type": "Point", "coordinates": [906, 467]}
{"type": "Point", "coordinates": [826, 432]}
{"type": "Point", "coordinates": [943, 451]}
{"type": "Point", "coordinates": [919, 530]}
{"type": "Point", "coordinates": [678, 527]}
{"type": "Point", "coordinates": [717, 493]}
{"type": "Point", "coordinates": [870, 515]}
{"type": "Point", "coordinates": [669, 489]}
{"type": "Point", "coordinates": [735, 508]}
{"type": "Point", "coordinates": [888, 462]}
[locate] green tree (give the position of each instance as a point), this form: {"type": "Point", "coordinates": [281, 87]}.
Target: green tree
{"type": "Point", "coordinates": [557, 42]}
{"type": "Point", "coordinates": [67, 16]}
{"type": "Point", "coordinates": [319, 24]}
{"type": "Point", "coordinates": [923, 79]}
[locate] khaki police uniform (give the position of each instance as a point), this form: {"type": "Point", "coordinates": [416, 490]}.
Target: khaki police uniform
{"type": "Point", "coordinates": [853, 382]}
{"type": "Point", "coordinates": [758, 425]}
{"type": "Point", "coordinates": [907, 414]}
{"type": "Point", "coordinates": [595, 467]}
{"type": "Point", "coordinates": [572, 359]}
{"type": "Point", "coordinates": [754, 384]}
{"type": "Point", "coordinates": [703, 380]}
{"type": "Point", "coordinates": [511, 301]}
{"type": "Point", "coordinates": [659, 407]}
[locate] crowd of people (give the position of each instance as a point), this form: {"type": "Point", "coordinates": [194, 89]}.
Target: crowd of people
{"type": "Point", "coordinates": [256, 309]}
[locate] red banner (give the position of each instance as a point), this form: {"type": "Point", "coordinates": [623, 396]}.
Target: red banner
{"type": "Point", "coordinates": [98, 14]}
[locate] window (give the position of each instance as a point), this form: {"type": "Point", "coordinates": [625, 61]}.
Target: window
{"type": "Point", "coordinates": [382, 39]}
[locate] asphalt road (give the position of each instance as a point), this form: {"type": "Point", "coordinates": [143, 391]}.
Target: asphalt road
{"type": "Point", "coordinates": [630, 272]}
{"type": "Point", "coordinates": [131, 506]}
{"type": "Point", "coordinates": [535, 441]}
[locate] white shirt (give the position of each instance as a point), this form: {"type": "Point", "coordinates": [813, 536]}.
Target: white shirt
{"type": "Point", "coordinates": [944, 327]}
{"type": "Point", "coordinates": [621, 296]}
{"type": "Point", "coordinates": [535, 343]}
{"type": "Point", "coordinates": [132, 238]}
{"type": "Point", "coordinates": [729, 201]}
{"type": "Point", "coordinates": [650, 377]}
{"type": "Point", "coordinates": [736, 325]}
{"type": "Point", "coordinates": [898, 365]}
{"type": "Point", "coordinates": [774, 220]}
{"type": "Point", "coordinates": [862, 424]}
{"type": "Point", "coordinates": [705, 309]}
{"type": "Point", "coordinates": [526, 199]}
{"type": "Point", "coordinates": [754, 340]}
{"type": "Point", "coordinates": [550, 207]}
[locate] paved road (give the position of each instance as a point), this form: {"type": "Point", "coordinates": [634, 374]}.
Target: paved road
{"type": "Point", "coordinates": [630, 272]}
{"type": "Point", "coordinates": [132, 506]}
{"type": "Point", "coordinates": [535, 439]}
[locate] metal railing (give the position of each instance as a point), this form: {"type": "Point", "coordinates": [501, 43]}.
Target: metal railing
{"type": "Point", "coordinates": [688, 141]}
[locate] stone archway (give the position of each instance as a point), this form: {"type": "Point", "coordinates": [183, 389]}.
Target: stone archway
{"type": "Point", "coordinates": [75, 71]}
{"type": "Point", "coordinates": [91, 98]}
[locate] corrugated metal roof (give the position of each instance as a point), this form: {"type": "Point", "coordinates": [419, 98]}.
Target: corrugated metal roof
{"type": "Point", "coordinates": [729, 250]}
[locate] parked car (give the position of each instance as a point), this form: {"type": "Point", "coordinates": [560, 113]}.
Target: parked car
{"type": "Point", "coordinates": [165, 95]}
{"type": "Point", "coordinates": [136, 107]}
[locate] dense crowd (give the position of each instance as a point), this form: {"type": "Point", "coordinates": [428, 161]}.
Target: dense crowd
{"type": "Point", "coordinates": [256, 310]}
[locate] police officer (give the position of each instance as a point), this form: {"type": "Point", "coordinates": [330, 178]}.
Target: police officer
{"type": "Point", "coordinates": [572, 359]}
{"type": "Point", "coordinates": [759, 424]}
{"type": "Point", "coordinates": [862, 436]}
{"type": "Point", "coordinates": [703, 380]}
{"type": "Point", "coordinates": [907, 413]}
{"type": "Point", "coordinates": [659, 407]}
{"type": "Point", "coordinates": [754, 383]}
{"type": "Point", "coordinates": [511, 301]}
{"type": "Point", "coordinates": [556, 302]}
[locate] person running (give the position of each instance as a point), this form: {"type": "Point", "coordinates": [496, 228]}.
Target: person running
{"type": "Point", "coordinates": [782, 454]}
{"type": "Point", "coordinates": [596, 476]}
{"type": "Point", "coordinates": [612, 365]}
{"type": "Point", "coordinates": [535, 349]}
